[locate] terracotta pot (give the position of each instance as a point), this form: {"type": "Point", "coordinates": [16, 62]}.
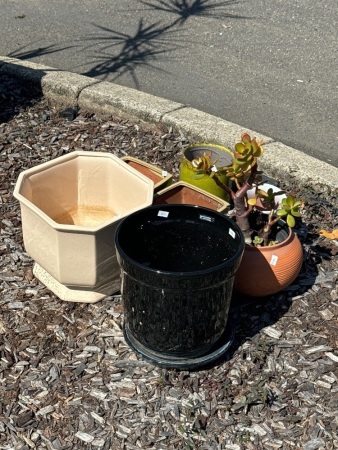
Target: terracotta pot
{"type": "Point", "coordinates": [70, 209]}
{"type": "Point", "coordinates": [161, 178]}
{"type": "Point", "coordinates": [268, 270]}
{"type": "Point", "coordinates": [222, 157]}
{"type": "Point", "coordinates": [185, 194]}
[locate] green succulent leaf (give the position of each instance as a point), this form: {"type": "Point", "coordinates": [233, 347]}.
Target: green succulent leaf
{"type": "Point", "coordinates": [240, 162]}
{"type": "Point", "coordinates": [296, 213]}
{"type": "Point", "coordinates": [239, 147]}
{"type": "Point", "coordinates": [257, 240]}
{"type": "Point", "coordinates": [246, 138]}
{"type": "Point", "coordinates": [290, 220]}
{"type": "Point", "coordinates": [259, 152]}
{"type": "Point", "coordinates": [281, 212]}
{"type": "Point", "coordinates": [290, 200]}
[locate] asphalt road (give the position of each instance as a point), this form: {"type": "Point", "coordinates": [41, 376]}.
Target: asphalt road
{"type": "Point", "coordinates": [269, 65]}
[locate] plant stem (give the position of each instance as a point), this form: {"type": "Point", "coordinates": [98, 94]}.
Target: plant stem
{"type": "Point", "coordinates": [242, 209]}
{"type": "Point", "coordinates": [267, 228]}
{"type": "Point", "coordinates": [219, 183]}
{"type": "Point", "coordinates": [240, 202]}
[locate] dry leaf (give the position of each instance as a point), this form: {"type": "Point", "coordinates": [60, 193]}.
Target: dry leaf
{"type": "Point", "coordinates": [327, 234]}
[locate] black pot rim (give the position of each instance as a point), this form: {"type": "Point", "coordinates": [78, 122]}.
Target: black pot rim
{"type": "Point", "coordinates": [197, 273]}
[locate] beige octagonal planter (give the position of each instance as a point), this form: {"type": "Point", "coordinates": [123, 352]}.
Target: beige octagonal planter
{"type": "Point", "coordinates": [70, 209]}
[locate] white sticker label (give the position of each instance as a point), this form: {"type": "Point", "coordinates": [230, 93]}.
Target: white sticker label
{"type": "Point", "coordinates": [164, 173]}
{"type": "Point", "coordinates": [163, 213]}
{"type": "Point", "coordinates": [232, 233]}
{"type": "Point", "coordinates": [214, 168]}
{"type": "Point", "coordinates": [207, 218]}
{"type": "Point", "coordinates": [274, 259]}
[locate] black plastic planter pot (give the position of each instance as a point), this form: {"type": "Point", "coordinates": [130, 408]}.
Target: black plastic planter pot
{"type": "Point", "coordinates": [178, 264]}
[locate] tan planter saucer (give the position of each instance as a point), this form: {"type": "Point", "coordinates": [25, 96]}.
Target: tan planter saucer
{"type": "Point", "coordinates": [84, 295]}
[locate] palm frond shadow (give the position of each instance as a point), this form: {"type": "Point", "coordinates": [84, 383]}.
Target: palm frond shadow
{"type": "Point", "coordinates": [25, 52]}
{"type": "Point", "coordinates": [142, 48]}
{"type": "Point", "coordinates": [185, 9]}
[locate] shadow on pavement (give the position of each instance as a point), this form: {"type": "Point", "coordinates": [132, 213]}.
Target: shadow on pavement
{"type": "Point", "coordinates": [142, 48]}
{"type": "Point", "coordinates": [185, 9]}
{"type": "Point", "coordinates": [25, 53]}
{"type": "Point", "coordinates": [115, 54]}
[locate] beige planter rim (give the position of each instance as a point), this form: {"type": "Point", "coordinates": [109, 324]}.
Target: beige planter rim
{"type": "Point", "coordinates": [68, 157]}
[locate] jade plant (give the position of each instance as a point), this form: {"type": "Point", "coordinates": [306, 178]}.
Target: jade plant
{"type": "Point", "coordinates": [244, 176]}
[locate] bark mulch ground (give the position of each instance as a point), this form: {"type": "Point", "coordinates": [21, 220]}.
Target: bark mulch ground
{"type": "Point", "coordinates": [69, 381]}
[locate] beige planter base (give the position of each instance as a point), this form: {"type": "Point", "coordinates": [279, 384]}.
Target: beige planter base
{"type": "Point", "coordinates": [75, 294]}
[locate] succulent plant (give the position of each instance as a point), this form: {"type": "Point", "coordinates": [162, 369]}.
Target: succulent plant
{"type": "Point", "coordinates": [245, 158]}
{"type": "Point", "coordinates": [268, 197]}
{"type": "Point", "coordinates": [257, 240]}
{"type": "Point", "coordinates": [244, 174]}
{"type": "Point", "coordinates": [290, 209]}
{"type": "Point", "coordinates": [202, 165]}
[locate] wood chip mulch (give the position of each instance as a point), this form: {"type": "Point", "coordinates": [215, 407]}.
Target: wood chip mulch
{"type": "Point", "coordinates": [68, 380]}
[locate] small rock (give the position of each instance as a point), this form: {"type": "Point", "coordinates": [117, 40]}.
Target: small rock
{"type": "Point", "coordinates": [24, 418]}
{"type": "Point", "coordinates": [314, 444]}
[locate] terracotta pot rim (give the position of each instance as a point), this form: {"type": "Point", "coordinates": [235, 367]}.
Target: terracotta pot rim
{"type": "Point", "coordinates": [183, 184]}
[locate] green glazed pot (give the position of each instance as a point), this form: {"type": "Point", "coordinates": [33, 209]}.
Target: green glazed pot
{"type": "Point", "coordinates": [222, 157]}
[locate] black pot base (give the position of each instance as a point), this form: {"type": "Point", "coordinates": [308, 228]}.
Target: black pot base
{"type": "Point", "coordinates": [182, 363]}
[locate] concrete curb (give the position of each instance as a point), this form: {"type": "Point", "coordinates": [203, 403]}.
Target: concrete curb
{"type": "Point", "coordinates": [69, 88]}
